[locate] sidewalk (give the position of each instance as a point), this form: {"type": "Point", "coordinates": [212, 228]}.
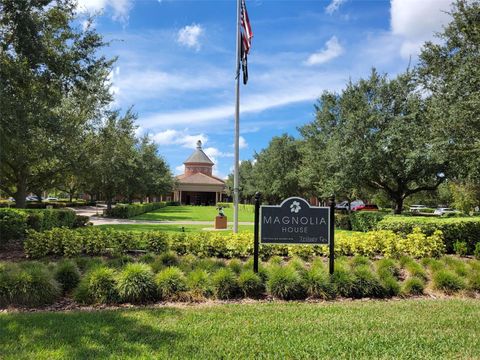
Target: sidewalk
{"type": "Point", "coordinates": [108, 221]}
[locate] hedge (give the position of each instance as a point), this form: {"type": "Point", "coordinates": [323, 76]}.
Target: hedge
{"type": "Point", "coordinates": [94, 241]}
{"type": "Point", "coordinates": [125, 211]}
{"type": "Point", "coordinates": [466, 229]}
{"type": "Point", "coordinates": [15, 222]}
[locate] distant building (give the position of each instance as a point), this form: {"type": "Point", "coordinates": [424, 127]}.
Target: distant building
{"type": "Point", "coordinates": [197, 185]}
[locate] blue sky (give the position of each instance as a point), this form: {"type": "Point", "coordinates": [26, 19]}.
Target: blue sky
{"type": "Point", "coordinates": [176, 63]}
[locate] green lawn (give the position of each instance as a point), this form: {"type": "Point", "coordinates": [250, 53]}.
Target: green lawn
{"type": "Point", "coordinates": [168, 228]}
{"type": "Point", "coordinates": [406, 329]}
{"type": "Point", "coordinates": [196, 213]}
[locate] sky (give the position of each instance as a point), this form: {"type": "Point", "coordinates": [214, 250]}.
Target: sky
{"type": "Point", "coordinates": [176, 63]}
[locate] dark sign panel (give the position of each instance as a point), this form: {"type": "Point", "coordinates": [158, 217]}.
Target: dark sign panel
{"type": "Point", "coordinates": [294, 221]}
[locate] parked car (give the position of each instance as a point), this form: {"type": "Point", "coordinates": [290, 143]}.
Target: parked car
{"type": "Point", "coordinates": [445, 210]}
{"type": "Point", "coordinates": [344, 204]}
{"type": "Point", "coordinates": [417, 208]}
{"type": "Point", "coordinates": [33, 198]}
{"type": "Point", "coordinates": [51, 198]}
{"type": "Point", "coordinates": [365, 207]}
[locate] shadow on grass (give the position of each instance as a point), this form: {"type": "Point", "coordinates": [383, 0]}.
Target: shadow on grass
{"type": "Point", "coordinates": [84, 335]}
{"type": "Point", "coordinates": [168, 213]}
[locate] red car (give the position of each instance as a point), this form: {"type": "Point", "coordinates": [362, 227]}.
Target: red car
{"type": "Point", "coordinates": [365, 207]}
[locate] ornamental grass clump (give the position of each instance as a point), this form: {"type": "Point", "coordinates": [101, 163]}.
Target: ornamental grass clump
{"type": "Point", "coordinates": [387, 267]}
{"type": "Point", "coordinates": [413, 268]}
{"type": "Point", "coordinates": [413, 286]}
{"type": "Point", "coordinates": [284, 282]}
{"type": "Point", "coordinates": [359, 261]}
{"type": "Point", "coordinates": [473, 281]}
{"type": "Point", "coordinates": [171, 283]}
{"type": "Point", "coordinates": [251, 284]}
{"type": "Point", "coordinates": [457, 265]}
{"type": "Point", "coordinates": [235, 265]}
{"type": "Point", "coordinates": [343, 281]}
{"type": "Point", "coordinates": [225, 284]}
{"type": "Point", "coordinates": [169, 258]}
{"type": "Point", "coordinates": [366, 283]}
{"type": "Point", "coordinates": [135, 284]}
{"type": "Point", "coordinates": [98, 286]}
{"type": "Point", "coordinates": [317, 283]}
{"type": "Point", "coordinates": [198, 281]}
{"type": "Point", "coordinates": [460, 248]}
{"type": "Point", "coordinates": [67, 274]}
{"type": "Point", "coordinates": [29, 285]}
{"type": "Point", "coordinates": [448, 281]}
{"type": "Point", "coordinates": [210, 264]}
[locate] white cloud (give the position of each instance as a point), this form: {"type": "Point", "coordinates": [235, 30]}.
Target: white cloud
{"type": "Point", "coordinates": [189, 36]}
{"type": "Point", "coordinates": [142, 84]}
{"type": "Point", "coordinates": [242, 143]}
{"type": "Point", "coordinates": [334, 6]}
{"type": "Point", "coordinates": [119, 8]}
{"type": "Point", "coordinates": [416, 22]}
{"type": "Point", "coordinates": [287, 89]}
{"type": "Point", "coordinates": [332, 50]}
{"type": "Point", "coordinates": [179, 137]}
{"type": "Point", "coordinates": [180, 169]}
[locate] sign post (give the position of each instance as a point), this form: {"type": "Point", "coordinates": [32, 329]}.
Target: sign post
{"type": "Point", "coordinates": [294, 222]}
{"type": "Point", "coordinates": [255, 230]}
{"type": "Point", "coordinates": [331, 245]}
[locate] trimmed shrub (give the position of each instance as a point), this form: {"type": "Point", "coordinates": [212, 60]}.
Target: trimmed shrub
{"type": "Point", "coordinates": [170, 283]}
{"type": "Point", "coordinates": [476, 252]}
{"type": "Point", "coordinates": [251, 284]}
{"type": "Point", "coordinates": [460, 248]}
{"type": "Point", "coordinates": [285, 283]}
{"type": "Point", "coordinates": [342, 221]}
{"type": "Point", "coordinates": [365, 220]}
{"type": "Point", "coordinates": [156, 241]}
{"type": "Point", "coordinates": [225, 285]}
{"type": "Point", "coordinates": [453, 229]}
{"type": "Point", "coordinates": [99, 286]}
{"type": "Point", "coordinates": [13, 224]}
{"type": "Point", "coordinates": [447, 281]}
{"type": "Point", "coordinates": [136, 284]}
{"type": "Point", "coordinates": [317, 284]}
{"type": "Point", "coordinates": [198, 282]}
{"type": "Point", "coordinates": [68, 275]}
{"type": "Point", "coordinates": [125, 211]}
{"type": "Point", "coordinates": [413, 286]}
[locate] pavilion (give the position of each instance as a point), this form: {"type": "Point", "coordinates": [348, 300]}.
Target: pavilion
{"type": "Point", "coordinates": [197, 185]}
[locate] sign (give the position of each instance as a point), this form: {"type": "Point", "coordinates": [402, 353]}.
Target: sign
{"type": "Point", "coordinates": [294, 221]}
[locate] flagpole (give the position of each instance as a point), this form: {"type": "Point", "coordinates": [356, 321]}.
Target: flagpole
{"type": "Point", "coordinates": [237, 123]}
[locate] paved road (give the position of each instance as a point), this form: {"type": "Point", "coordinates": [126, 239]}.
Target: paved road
{"type": "Point", "coordinates": [93, 212]}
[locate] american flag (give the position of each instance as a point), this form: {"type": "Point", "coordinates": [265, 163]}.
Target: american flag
{"type": "Point", "coordinates": [246, 38]}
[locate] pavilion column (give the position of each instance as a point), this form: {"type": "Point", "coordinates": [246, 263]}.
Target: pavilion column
{"type": "Point", "coordinates": [180, 197]}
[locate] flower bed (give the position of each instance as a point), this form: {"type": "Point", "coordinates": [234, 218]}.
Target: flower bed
{"type": "Point", "coordinates": [168, 277]}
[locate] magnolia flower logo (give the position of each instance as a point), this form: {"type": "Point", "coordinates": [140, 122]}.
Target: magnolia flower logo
{"type": "Point", "coordinates": [295, 207]}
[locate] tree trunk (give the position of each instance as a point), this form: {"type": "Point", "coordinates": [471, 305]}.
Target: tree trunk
{"type": "Point", "coordinates": [21, 194]}
{"type": "Point", "coordinates": [71, 196]}
{"type": "Point", "coordinates": [398, 206]}
{"type": "Point", "coordinates": [109, 204]}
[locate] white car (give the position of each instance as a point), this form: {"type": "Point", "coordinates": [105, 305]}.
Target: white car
{"type": "Point", "coordinates": [51, 198]}
{"type": "Point", "coordinates": [443, 211]}
{"type": "Point", "coordinates": [417, 208]}
{"type": "Point", "coordinates": [344, 204]}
